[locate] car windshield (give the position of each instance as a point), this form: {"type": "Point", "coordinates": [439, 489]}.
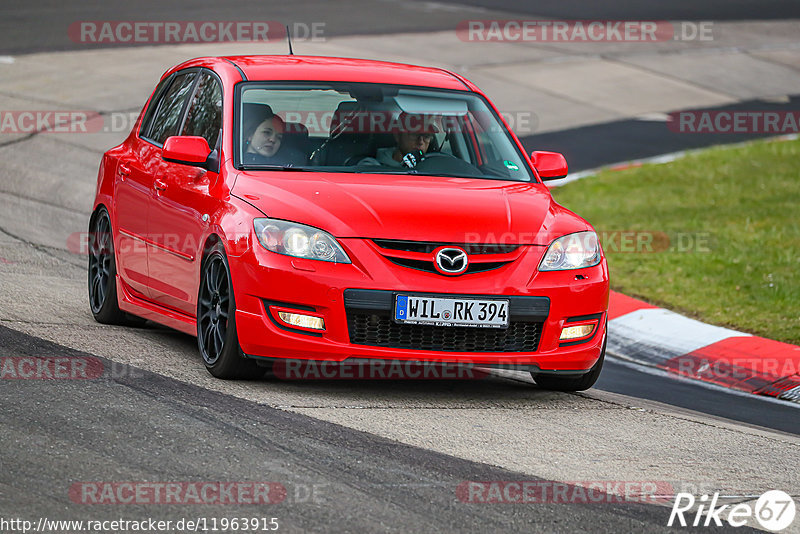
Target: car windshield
{"type": "Point", "coordinates": [373, 128]}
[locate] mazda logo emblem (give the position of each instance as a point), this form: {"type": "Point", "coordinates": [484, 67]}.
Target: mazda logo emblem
{"type": "Point", "coordinates": [451, 260]}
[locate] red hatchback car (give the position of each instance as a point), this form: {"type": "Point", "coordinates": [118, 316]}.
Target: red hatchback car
{"type": "Point", "coordinates": [340, 210]}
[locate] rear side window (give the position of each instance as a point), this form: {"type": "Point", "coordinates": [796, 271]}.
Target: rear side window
{"type": "Point", "coordinates": [204, 117]}
{"type": "Point", "coordinates": [167, 118]}
{"type": "Point", "coordinates": [153, 106]}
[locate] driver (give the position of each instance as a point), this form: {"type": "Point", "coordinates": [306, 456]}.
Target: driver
{"type": "Point", "coordinates": [412, 136]}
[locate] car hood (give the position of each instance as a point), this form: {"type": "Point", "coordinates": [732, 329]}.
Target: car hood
{"type": "Point", "coordinates": [414, 208]}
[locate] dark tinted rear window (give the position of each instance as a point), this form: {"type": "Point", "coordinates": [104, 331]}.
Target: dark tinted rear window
{"type": "Point", "coordinates": [204, 117]}
{"type": "Point", "coordinates": [168, 115]}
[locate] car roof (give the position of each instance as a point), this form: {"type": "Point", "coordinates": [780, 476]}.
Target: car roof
{"type": "Point", "coordinates": [319, 68]}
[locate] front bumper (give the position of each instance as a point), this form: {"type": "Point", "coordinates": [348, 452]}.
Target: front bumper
{"type": "Point", "coordinates": [355, 301]}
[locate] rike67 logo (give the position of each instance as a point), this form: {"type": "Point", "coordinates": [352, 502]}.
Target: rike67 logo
{"type": "Point", "coordinates": [774, 511]}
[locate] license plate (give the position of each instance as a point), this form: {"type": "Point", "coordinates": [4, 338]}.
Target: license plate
{"type": "Point", "coordinates": [451, 311]}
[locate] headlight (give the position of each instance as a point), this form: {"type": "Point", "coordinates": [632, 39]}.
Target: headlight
{"type": "Point", "coordinates": [298, 240]}
{"type": "Point", "coordinates": [573, 251]}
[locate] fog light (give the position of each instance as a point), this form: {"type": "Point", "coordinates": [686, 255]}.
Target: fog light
{"type": "Point", "coordinates": [576, 332]}
{"type": "Point", "coordinates": [299, 320]}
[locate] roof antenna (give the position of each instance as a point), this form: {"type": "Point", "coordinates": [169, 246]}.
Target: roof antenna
{"type": "Point", "coordinates": [289, 39]}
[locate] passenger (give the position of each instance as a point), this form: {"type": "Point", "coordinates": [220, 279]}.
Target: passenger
{"type": "Point", "coordinates": [413, 139]}
{"type": "Point", "coordinates": [265, 146]}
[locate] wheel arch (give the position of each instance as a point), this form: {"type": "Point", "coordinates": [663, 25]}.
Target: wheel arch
{"type": "Point", "coordinates": [99, 206]}
{"type": "Point", "coordinates": [211, 241]}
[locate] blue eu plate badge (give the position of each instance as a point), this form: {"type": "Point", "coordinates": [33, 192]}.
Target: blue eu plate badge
{"type": "Point", "coordinates": [400, 310]}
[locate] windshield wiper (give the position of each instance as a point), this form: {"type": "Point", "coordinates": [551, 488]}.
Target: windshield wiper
{"type": "Point", "coordinates": [288, 167]}
{"type": "Point", "coordinates": [415, 172]}
{"type": "Point", "coordinates": [377, 170]}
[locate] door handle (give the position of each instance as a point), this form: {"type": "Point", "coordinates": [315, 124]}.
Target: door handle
{"type": "Point", "coordinates": [123, 170]}
{"type": "Point", "coordinates": [160, 185]}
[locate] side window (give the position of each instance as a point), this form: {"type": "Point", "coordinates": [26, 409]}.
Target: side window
{"type": "Point", "coordinates": [205, 110]}
{"type": "Point", "coordinates": [151, 109]}
{"type": "Point", "coordinates": [168, 116]}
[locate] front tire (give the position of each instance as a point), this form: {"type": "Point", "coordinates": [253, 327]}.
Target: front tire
{"type": "Point", "coordinates": [216, 321]}
{"type": "Point", "coordinates": [572, 383]}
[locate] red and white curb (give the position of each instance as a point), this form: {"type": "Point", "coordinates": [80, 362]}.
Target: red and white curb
{"type": "Point", "coordinates": [669, 341]}
{"type": "Point", "coordinates": [666, 340]}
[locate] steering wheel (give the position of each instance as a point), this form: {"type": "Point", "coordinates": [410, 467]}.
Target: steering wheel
{"type": "Point", "coordinates": [439, 162]}
{"type": "Point", "coordinates": [355, 159]}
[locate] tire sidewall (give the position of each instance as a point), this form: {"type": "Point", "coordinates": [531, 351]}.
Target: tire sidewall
{"type": "Point", "coordinates": [231, 361]}
{"type": "Point", "coordinates": [575, 383]}
{"type": "Point", "coordinates": [109, 311]}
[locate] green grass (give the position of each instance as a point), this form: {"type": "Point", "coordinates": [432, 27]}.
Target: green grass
{"type": "Point", "coordinates": [742, 202]}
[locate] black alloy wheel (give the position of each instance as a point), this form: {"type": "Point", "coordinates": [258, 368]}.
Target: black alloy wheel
{"type": "Point", "coordinates": [103, 274]}
{"type": "Point", "coordinates": [216, 321]}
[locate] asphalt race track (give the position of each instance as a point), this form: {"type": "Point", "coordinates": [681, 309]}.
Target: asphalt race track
{"type": "Point", "coordinates": [349, 456]}
{"type": "Point", "coordinates": [646, 10]}
{"type": "Point", "coordinates": [335, 478]}
{"type": "Point", "coordinates": [593, 146]}
{"type": "Point", "coordinates": [37, 25]}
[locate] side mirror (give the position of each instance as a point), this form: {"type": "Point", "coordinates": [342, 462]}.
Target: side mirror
{"type": "Point", "coordinates": [549, 165]}
{"type": "Point", "coordinates": [187, 150]}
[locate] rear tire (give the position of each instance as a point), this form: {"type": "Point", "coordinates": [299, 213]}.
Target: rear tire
{"type": "Point", "coordinates": [103, 274]}
{"type": "Point", "coordinates": [216, 321]}
{"type": "Point", "coordinates": [572, 383]}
